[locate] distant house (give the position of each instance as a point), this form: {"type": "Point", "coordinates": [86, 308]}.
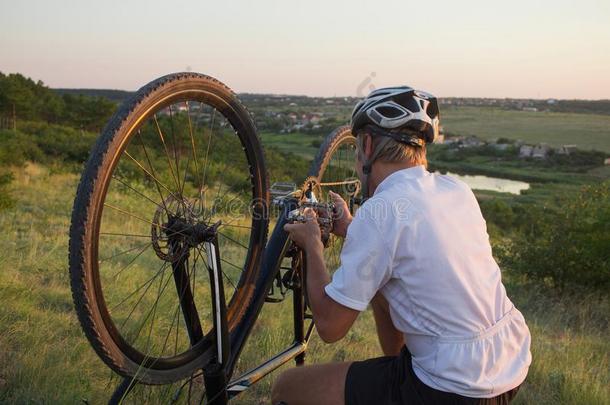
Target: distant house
{"type": "Point", "coordinates": [501, 146]}
{"type": "Point", "coordinates": [541, 151]}
{"type": "Point", "coordinates": [440, 138]}
{"type": "Point", "coordinates": [607, 162]}
{"type": "Point", "coordinates": [566, 149]}
{"type": "Point", "coordinates": [525, 151]}
{"type": "Point", "coordinates": [314, 118]}
{"type": "Point", "coordinates": [530, 109]}
{"type": "Point", "coordinates": [452, 140]}
{"type": "Point", "coordinates": [471, 141]}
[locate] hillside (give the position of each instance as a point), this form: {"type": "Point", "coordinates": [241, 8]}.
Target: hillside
{"type": "Point", "coordinates": [117, 96]}
{"type": "Point", "coordinates": [550, 239]}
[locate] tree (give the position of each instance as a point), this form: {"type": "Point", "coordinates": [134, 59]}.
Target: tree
{"type": "Point", "coordinates": [569, 247]}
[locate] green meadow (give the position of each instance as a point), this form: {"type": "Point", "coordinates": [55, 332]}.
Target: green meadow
{"type": "Point", "coordinates": [45, 357]}
{"type": "Point", "coordinates": [587, 131]}
{"type": "Point", "coordinates": [551, 242]}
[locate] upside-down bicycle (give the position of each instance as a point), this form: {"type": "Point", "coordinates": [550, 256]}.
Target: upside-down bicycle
{"type": "Point", "coordinates": [175, 191]}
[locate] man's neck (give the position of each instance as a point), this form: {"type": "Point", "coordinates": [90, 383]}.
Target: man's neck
{"type": "Point", "coordinates": [381, 170]}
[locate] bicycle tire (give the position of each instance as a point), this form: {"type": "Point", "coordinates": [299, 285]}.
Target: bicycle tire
{"type": "Point", "coordinates": [340, 144]}
{"type": "Point", "coordinates": [87, 290]}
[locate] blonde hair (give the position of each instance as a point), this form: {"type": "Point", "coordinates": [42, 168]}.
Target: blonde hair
{"type": "Point", "coordinates": [394, 151]}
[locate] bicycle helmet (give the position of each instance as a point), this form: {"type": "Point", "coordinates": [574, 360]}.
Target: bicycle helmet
{"type": "Point", "coordinates": [401, 113]}
{"type": "Point", "coordinates": [396, 108]}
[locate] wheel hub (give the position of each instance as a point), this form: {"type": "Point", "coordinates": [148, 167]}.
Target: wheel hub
{"type": "Point", "coordinates": [180, 231]}
{"type": "Point", "coordinates": [176, 228]}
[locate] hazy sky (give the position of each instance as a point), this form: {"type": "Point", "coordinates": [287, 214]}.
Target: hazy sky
{"type": "Point", "coordinates": [480, 48]}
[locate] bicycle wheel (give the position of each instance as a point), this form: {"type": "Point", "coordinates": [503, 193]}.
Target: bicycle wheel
{"type": "Point", "coordinates": [334, 167]}
{"type": "Point", "coordinates": [179, 158]}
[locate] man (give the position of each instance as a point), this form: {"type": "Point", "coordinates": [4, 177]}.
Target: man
{"type": "Point", "coordinates": [418, 251]}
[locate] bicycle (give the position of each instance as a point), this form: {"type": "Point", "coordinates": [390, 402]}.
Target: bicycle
{"type": "Point", "coordinates": [148, 210]}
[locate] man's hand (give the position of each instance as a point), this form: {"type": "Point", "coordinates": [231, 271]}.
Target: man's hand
{"type": "Point", "coordinates": [332, 319]}
{"type": "Point", "coordinates": [307, 235]}
{"type": "Point", "coordinates": [341, 215]}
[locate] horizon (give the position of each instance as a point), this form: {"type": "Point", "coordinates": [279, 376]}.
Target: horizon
{"type": "Point", "coordinates": [340, 96]}
{"type": "Point", "coordinates": [523, 50]}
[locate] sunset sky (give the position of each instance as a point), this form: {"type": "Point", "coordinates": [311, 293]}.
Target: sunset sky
{"type": "Point", "coordinates": [529, 49]}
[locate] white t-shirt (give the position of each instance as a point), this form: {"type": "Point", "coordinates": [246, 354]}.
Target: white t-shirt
{"type": "Point", "coordinates": [421, 240]}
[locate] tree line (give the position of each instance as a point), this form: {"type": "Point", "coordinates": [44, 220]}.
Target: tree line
{"type": "Point", "coordinates": [23, 99]}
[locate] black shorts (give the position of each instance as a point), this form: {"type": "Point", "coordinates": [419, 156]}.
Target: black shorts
{"type": "Point", "coordinates": [391, 380]}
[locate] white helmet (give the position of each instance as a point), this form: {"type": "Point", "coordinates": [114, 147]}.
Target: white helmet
{"type": "Point", "coordinates": [395, 108]}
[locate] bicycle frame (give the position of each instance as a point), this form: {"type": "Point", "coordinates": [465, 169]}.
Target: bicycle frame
{"type": "Point", "coordinates": [228, 346]}
{"type": "Point", "coordinates": [217, 390]}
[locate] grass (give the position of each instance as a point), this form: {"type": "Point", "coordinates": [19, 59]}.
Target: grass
{"type": "Point", "coordinates": [570, 347]}
{"type": "Point", "coordinates": [45, 358]}
{"type": "Point", "coordinates": [587, 131]}
{"type": "Point", "coordinates": [297, 142]}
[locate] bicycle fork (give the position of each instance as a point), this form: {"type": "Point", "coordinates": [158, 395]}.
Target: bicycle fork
{"type": "Point", "coordinates": [215, 373]}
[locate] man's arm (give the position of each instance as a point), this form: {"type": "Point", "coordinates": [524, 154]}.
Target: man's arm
{"type": "Point", "coordinates": [332, 319]}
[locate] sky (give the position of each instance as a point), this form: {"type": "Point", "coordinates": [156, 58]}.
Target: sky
{"type": "Point", "coordinates": [469, 48]}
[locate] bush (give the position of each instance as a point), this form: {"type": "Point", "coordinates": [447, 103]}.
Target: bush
{"type": "Point", "coordinates": [33, 101]}
{"type": "Point", "coordinates": [18, 147]}
{"type": "Point", "coordinates": [568, 247]}
{"type": "Point", "coordinates": [58, 142]}
{"type": "Point", "coordinates": [44, 143]}
{"type": "Point", "coordinates": [498, 212]}
{"type": "Point", "coordinates": [6, 200]}
{"type": "Point", "coordinates": [316, 143]}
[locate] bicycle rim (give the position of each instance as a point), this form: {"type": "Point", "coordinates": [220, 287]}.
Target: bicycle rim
{"type": "Point", "coordinates": [183, 151]}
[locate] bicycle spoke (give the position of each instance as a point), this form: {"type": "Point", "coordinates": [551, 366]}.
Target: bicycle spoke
{"type": "Point", "coordinates": [197, 167]}
{"type": "Point", "coordinates": [177, 332]}
{"type": "Point", "coordinates": [231, 189]}
{"type": "Point", "coordinates": [161, 270]}
{"type": "Point", "coordinates": [227, 277]}
{"type": "Point", "coordinates": [153, 320]}
{"type": "Point", "coordinates": [176, 150]}
{"type": "Point", "coordinates": [152, 308]}
{"type": "Point", "coordinates": [171, 327]}
{"type": "Point", "coordinates": [186, 168]}
{"type": "Point", "coordinates": [153, 177]}
{"type": "Point", "coordinates": [233, 240]}
{"type": "Point", "coordinates": [123, 252]}
{"type": "Point", "coordinates": [207, 152]}
{"type": "Point", "coordinates": [169, 163]}
{"type": "Point", "coordinates": [132, 261]}
{"type": "Point", "coordinates": [158, 298]}
{"type": "Point", "coordinates": [150, 280]}
{"type": "Point", "coordinates": [195, 161]}
{"type": "Point", "coordinates": [136, 191]}
{"type": "Point", "coordinates": [152, 169]}
{"type": "Point", "coordinates": [230, 225]}
{"type": "Point", "coordinates": [129, 214]}
{"type": "Point", "coordinates": [223, 273]}
{"type": "Point", "coordinates": [124, 234]}
{"type": "Point", "coordinates": [231, 264]}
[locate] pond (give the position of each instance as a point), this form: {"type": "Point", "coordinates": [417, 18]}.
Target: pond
{"type": "Point", "coordinates": [492, 183]}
